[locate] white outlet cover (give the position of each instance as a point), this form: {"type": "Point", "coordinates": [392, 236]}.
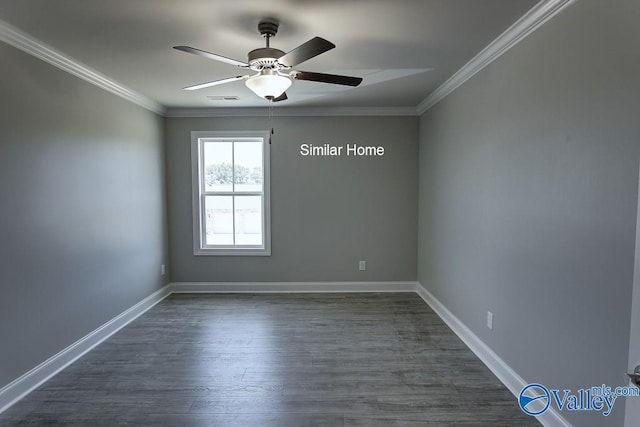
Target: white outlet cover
{"type": "Point", "coordinates": [490, 320]}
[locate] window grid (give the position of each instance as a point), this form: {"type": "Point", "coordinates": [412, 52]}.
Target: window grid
{"type": "Point", "coordinates": [233, 194]}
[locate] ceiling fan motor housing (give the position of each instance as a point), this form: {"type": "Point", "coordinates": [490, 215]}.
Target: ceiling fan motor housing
{"type": "Point", "coordinates": [265, 58]}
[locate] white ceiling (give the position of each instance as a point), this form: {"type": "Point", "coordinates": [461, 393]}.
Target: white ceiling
{"type": "Point", "coordinates": [404, 49]}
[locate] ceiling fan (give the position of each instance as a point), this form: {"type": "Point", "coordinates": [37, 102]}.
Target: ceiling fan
{"type": "Point", "coordinates": [274, 68]}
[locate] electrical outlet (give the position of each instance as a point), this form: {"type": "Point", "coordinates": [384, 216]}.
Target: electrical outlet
{"type": "Point", "coordinates": [490, 320]}
{"type": "Point", "coordinates": [362, 265]}
{"type": "Point", "coordinates": [163, 270]}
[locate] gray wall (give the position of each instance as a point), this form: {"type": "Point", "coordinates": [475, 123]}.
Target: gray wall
{"type": "Point", "coordinates": [633, 403]}
{"type": "Point", "coordinates": [326, 213]}
{"type": "Point", "coordinates": [82, 223]}
{"type": "Point", "coordinates": [528, 193]}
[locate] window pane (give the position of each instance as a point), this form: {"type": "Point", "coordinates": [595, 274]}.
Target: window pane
{"type": "Point", "coordinates": [219, 220]}
{"type": "Point", "coordinates": [248, 216]}
{"type": "Point", "coordinates": [218, 166]}
{"type": "Point", "coordinates": [248, 166]}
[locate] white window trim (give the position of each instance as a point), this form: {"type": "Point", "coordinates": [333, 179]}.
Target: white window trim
{"type": "Point", "coordinates": [196, 197]}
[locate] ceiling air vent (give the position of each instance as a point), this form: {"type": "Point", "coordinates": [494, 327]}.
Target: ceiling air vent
{"type": "Point", "coordinates": [223, 98]}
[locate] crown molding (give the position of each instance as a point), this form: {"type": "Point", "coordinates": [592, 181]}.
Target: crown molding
{"type": "Point", "coordinates": [290, 111]}
{"type": "Point", "coordinates": [31, 45]}
{"type": "Point", "coordinates": [530, 21]}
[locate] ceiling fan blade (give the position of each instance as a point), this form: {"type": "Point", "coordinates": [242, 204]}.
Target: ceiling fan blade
{"type": "Point", "coordinates": [306, 51]}
{"type": "Point", "coordinates": [327, 78]}
{"type": "Point", "coordinates": [210, 55]}
{"type": "Point", "coordinates": [281, 97]}
{"type": "Point", "coordinates": [214, 83]}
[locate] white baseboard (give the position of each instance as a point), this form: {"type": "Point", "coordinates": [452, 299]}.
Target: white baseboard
{"type": "Point", "coordinates": [499, 367]}
{"type": "Point", "coordinates": [25, 384]}
{"type": "Point", "coordinates": [291, 287]}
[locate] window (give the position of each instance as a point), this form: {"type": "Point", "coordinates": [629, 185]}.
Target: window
{"type": "Point", "coordinates": [230, 193]}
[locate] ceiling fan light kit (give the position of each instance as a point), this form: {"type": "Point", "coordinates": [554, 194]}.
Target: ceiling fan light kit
{"type": "Point", "coordinates": [269, 85]}
{"type": "Point", "coordinates": [274, 68]}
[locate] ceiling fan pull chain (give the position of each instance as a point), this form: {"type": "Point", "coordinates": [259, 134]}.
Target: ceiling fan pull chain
{"type": "Point", "coordinates": [270, 119]}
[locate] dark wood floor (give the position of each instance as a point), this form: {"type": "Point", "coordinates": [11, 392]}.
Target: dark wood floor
{"type": "Point", "coordinates": [277, 360]}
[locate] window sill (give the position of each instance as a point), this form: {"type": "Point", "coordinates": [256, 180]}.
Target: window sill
{"type": "Point", "coordinates": [232, 252]}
